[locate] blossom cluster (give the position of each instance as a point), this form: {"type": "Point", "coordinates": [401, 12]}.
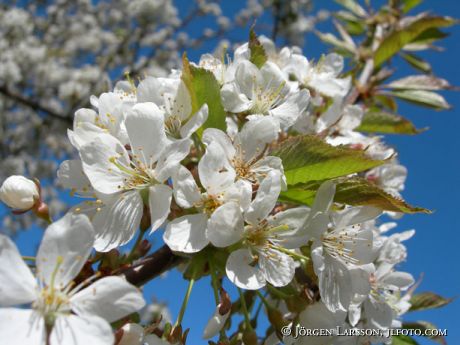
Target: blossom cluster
{"type": "Point", "coordinates": [150, 159]}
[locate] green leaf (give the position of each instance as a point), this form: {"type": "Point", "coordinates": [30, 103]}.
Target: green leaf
{"type": "Point", "coordinates": [308, 158]}
{"type": "Point", "coordinates": [417, 62]}
{"type": "Point", "coordinates": [428, 300]}
{"type": "Point", "coordinates": [394, 42]}
{"type": "Point", "coordinates": [422, 97]}
{"type": "Point", "coordinates": [410, 4]}
{"type": "Point", "coordinates": [424, 326]}
{"type": "Point", "coordinates": [403, 340]}
{"type": "Point", "coordinates": [429, 36]}
{"type": "Point", "coordinates": [354, 191]}
{"type": "Point", "coordinates": [420, 82]}
{"type": "Point", "coordinates": [353, 6]}
{"type": "Point", "coordinates": [258, 56]}
{"type": "Point", "coordinates": [388, 123]}
{"type": "Point", "coordinates": [340, 45]}
{"type": "Point", "coordinates": [204, 88]}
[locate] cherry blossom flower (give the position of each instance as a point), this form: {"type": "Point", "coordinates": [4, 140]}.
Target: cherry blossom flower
{"type": "Point", "coordinates": [131, 177]}
{"type": "Point", "coordinates": [66, 312]}
{"type": "Point", "coordinates": [263, 92]}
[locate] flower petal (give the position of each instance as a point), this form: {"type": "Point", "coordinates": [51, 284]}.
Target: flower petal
{"type": "Point", "coordinates": [233, 100]}
{"type": "Point", "coordinates": [97, 158]}
{"type": "Point", "coordinates": [170, 158]}
{"type": "Point", "coordinates": [117, 221]}
{"type": "Point", "coordinates": [226, 225]}
{"type": "Point", "coordinates": [17, 284]}
{"type": "Point", "coordinates": [21, 327]}
{"type": "Point", "coordinates": [214, 135]}
{"type": "Point", "coordinates": [160, 197]}
{"type": "Point", "coordinates": [214, 169]}
{"type": "Point", "coordinates": [110, 298]}
{"type": "Point", "coordinates": [278, 268]}
{"type": "Point", "coordinates": [186, 191]}
{"type": "Point", "coordinates": [66, 244]}
{"type": "Point", "coordinates": [241, 271]}
{"type": "Point", "coordinates": [75, 330]}
{"type": "Point", "coordinates": [187, 234]}
{"type": "Point", "coordinates": [266, 198]}
{"type": "Point", "coordinates": [145, 126]}
{"type": "Point", "coordinates": [195, 122]}
{"type": "Point", "coordinates": [255, 135]}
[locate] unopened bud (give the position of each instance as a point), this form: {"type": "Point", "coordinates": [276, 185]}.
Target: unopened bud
{"type": "Point", "coordinates": [19, 193]}
{"type": "Point", "coordinates": [215, 323]}
{"type": "Point", "coordinates": [133, 334]}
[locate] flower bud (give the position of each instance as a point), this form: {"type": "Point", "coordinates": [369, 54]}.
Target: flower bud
{"type": "Point", "coordinates": [215, 323]}
{"type": "Point", "coordinates": [19, 193]}
{"type": "Point", "coordinates": [133, 334]}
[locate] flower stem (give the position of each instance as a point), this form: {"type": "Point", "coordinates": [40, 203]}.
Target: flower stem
{"type": "Point", "coordinates": [186, 298]}
{"type": "Point", "coordinates": [136, 244]}
{"type": "Point", "coordinates": [245, 310]}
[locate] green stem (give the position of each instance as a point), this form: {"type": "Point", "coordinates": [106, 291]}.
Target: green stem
{"type": "Point", "coordinates": [245, 310]}
{"type": "Point", "coordinates": [186, 298]}
{"type": "Point", "coordinates": [136, 244]}
{"type": "Point", "coordinates": [214, 282]}
{"type": "Point", "coordinates": [290, 253]}
{"type": "Point", "coordinates": [28, 258]}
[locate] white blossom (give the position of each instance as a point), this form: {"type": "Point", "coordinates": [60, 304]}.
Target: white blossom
{"type": "Point", "coordinates": [75, 314]}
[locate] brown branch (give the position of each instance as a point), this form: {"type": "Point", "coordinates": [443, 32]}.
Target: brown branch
{"type": "Point", "coordinates": [34, 105]}
{"type": "Point", "coordinates": [151, 266]}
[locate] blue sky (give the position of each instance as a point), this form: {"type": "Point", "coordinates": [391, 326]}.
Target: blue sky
{"type": "Point", "coordinates": [433, 162]}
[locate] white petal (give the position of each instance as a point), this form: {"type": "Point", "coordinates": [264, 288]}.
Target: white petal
{"type": "Point", "coordinates": [96, 158]}
{"type": "Point", "coordinates": [186, 191]}
{"type": "Point", "coordinates": [133, 334]}
{"type": "Point", "coordinates": [195, 122]}
{"type": "Point", "coordinates": [215, 171]}
{"type": "Point", "coordinates": [110, 298]}
{"type": "Point", "coordinates": [324, 198]}
{"type": "Point", "coordinates": [355, 215]}
{"type": "Point", "coordinates": [170, 158]}
{"type": "Point", "coordinates": [335, 284]}
{"type": "Point", "coordinates": [233, 100]}
{"type": "Point", "coordinates": [145, 126]}
{"type": "Point", "coordinates": [255, 135]}
{"type": "Point", "coordinates": [278, 268]}
{"type": "Point", "coordinates": [294, 219]}
{"type": "Point", "coordinates": [289, 111]}
{"type": "Point", "coordinates": [241, 271]}
{"type": "Point", "coordinates": [398, 280]}
{"type": "Point", "coordinates": [266, 198]}
{"type": "Point", "coordinates": [21, 327]}
{"type": "Point", "coordinates": [71, 176]}
{"type": "Point", "coordinates": [214, 135]}
{"type": "Point", "coordinates": [226, 225]}
{"type": "Point", "coordinates": [215, 324]}
{"type": "Point", "coordinates": [17, 284]}
{"type": "Point", "coordinates": [75, 330]}
{"type": "Point", "coordinates": [117, 222]}
{"type": "Point", "coordinates": [68, 241]}
{"type": "Point", "coordinates": [148, 90]}
{"type": "Point", "coordinates": [152, 339]}
{"type": "Point", "coordinates": [247, 74]}
{"type": "Point", "coordinates": [379, 314]}
{"type": "Point", "coordinates": [160, 197]}
{"type": "Point", "coordinates": [187, 234]}
{"type": "Point", "coordinates": [182, 105]}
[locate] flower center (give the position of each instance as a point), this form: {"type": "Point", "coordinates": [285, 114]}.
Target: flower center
{"type": "Point", "coordinates": [136, 176]}
{"type": "Point", "coordinates": [173, 125]}
{"type": "Point", "coordinates": [336, 246]}
{"type": "Point", "coordinates": [266, 97]}
{"type": "Point", "coordinates": [209, 204]}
